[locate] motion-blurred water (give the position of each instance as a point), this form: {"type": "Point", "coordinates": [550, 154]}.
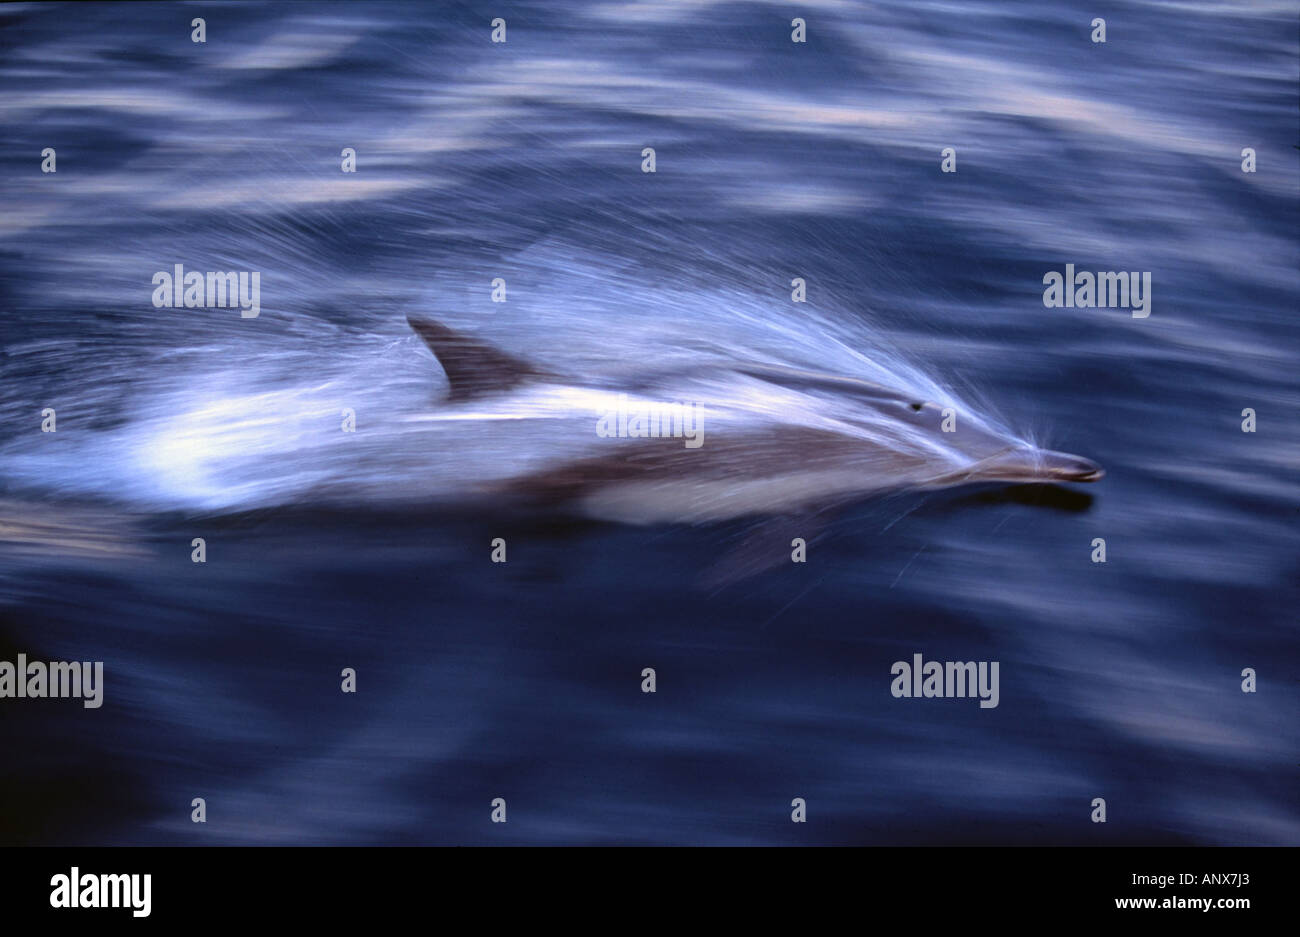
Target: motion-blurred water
{"type": "Point", "coordinates": [522, 160]}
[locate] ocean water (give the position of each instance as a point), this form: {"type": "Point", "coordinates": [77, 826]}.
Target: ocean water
{"type": "Point", "coordinates": [522, 160]}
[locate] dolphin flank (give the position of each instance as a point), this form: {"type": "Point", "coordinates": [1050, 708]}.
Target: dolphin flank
{"type": "Point", "coordinates": [772, 440]}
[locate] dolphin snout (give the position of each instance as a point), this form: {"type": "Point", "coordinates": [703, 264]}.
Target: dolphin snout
{"type": "Point", "coordinates": [1040, 465]}
{"type": "Point", "coordinates": [1071, 468]}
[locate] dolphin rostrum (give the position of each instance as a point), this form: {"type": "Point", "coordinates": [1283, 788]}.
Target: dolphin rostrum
{"type": "Point", "coordinates": [735, 440]}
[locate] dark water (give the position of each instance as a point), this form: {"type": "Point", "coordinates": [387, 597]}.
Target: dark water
{"type": "Point", "coordinates": [523, 161]}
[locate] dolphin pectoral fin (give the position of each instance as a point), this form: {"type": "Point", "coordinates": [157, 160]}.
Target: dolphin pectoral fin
{"type": "Point", "coordinates": [473, 368]}
{"type": "Point", "coordinates": [767, 545]}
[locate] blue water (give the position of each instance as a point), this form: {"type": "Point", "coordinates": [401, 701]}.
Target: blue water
{"type": "Point", "coordinates": [523, 161]}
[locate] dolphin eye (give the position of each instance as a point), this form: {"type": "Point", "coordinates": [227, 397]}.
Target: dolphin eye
{"type": "Point", "coordinates": [917, 406]}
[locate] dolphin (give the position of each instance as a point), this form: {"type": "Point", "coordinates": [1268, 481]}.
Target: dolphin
{"type": "Point", "coordinates": [752, 439]}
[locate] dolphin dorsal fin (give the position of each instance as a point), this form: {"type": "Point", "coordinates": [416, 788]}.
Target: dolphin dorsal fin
{"type": "Point", "coordinates": [473, 368]}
